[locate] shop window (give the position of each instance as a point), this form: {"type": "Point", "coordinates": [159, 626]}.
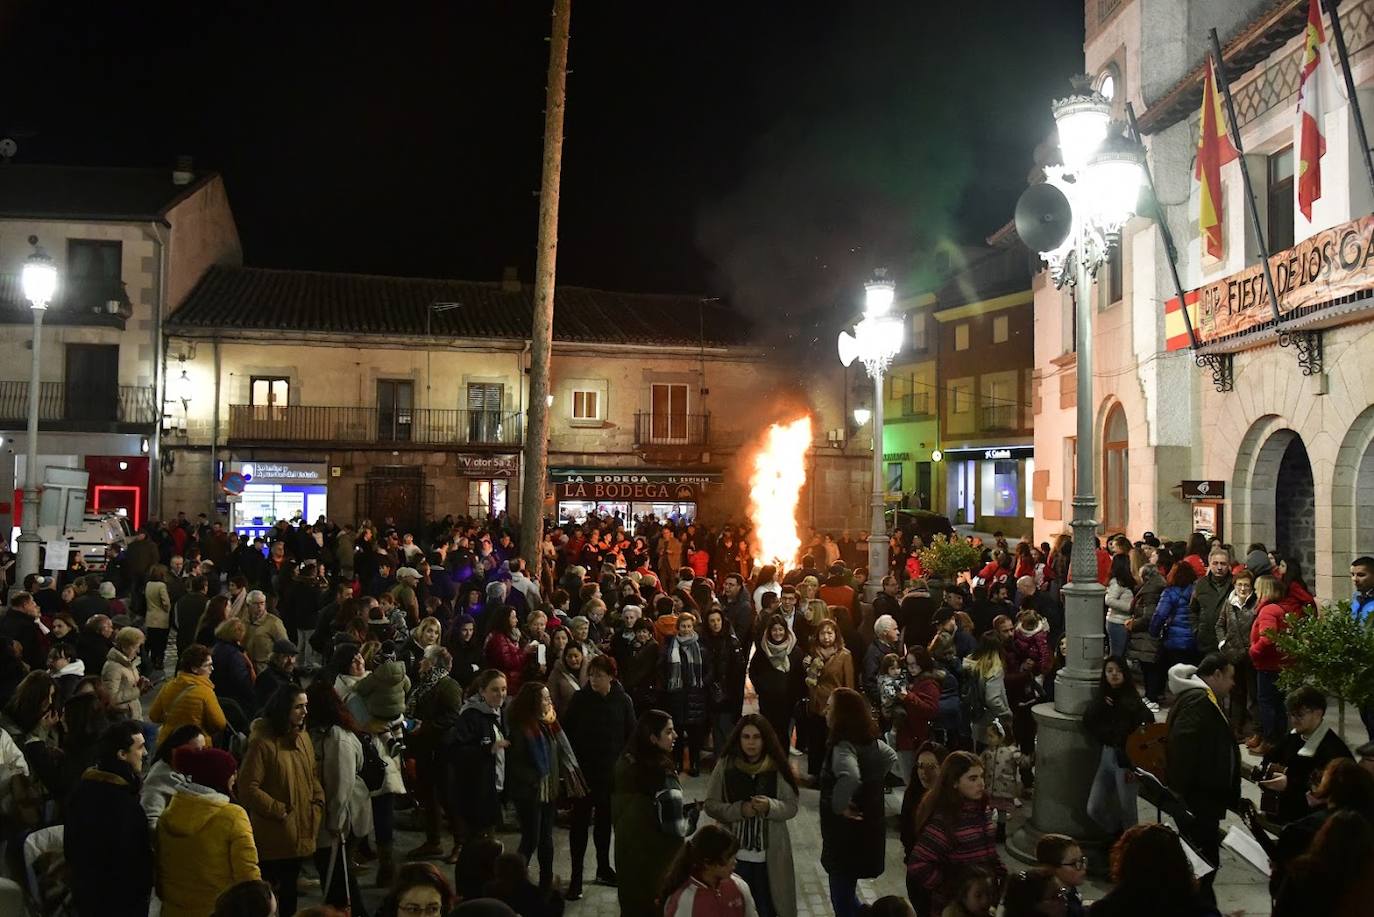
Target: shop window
{"type": "Point", "coordinates": [894, 477]}
{"type": "Point", "coordinates": [486, 497]}
{"type": "Point", "coordinates": [1280, 201]}
{"type": "Point", "coordinates": [269, 396]}
{"type": "Point", "coordinates": [395, 409]}
{"type": "Point", "coordinates": [668, 412]}
{"type": "Point", "coordinates": [1115, 470]}
{"type": "Point", "coordinates": [999, 489]}
{"type": "Point", "coordinates": [1000, 329]}
{"type": "Point", "coordinates": [586, 405]}
{"type": "Point", "coordinates": [961, 336]}
{"type": "Point", "coordinates": [485, 400]}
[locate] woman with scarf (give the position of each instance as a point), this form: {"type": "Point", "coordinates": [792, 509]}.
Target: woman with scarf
{"type": "Point", "coordinates": [753, 794]}
{"type": "Point", "coordinates": [435, 701]}
{"type": "Point", "coordinates": [828, 666]}
{"type": "Point", "coordinates": [567, 677]}
{"type": "Point", "coordinates": [538, 758]}
{"type": "Point", "coordinates": [777, 673]}
{"type": "Point", "coordinates": [684, 673]}
{"type": "Point", "coordinates": [478, 754]}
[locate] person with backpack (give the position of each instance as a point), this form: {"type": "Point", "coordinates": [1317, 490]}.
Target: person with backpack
{"type": "Point", "coordinates": [982, 686]}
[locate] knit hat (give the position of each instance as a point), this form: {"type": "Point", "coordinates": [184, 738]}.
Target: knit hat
{"type": "Point", "coordinates": [1257, 562]}
{"type": "Point", "coordinates": [284, 648]}
{"type": "Point", "coordinates": [209, 767]}
{"type": "Point", "coordinates": [107, 590]}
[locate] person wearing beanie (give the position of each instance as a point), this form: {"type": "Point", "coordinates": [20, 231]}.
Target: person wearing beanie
{"type": "Point", "coordinates": [204, 841]}
{"type": "Point", "coordinates": [106, 840]}
{"type": "Point", "coordinates": [1258, 563]}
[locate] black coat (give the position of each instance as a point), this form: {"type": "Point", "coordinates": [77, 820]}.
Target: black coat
{"type": "Point", "coordinates": [23, 629]}
{"type": "Point", "coordinates": [1110, 724]}
{"type": "Point", "coordinates": [107, 846]}
{"type": "Point", "coordinates": [467, 660]}
{"type": "Point", "coordinates": [729, 659]}
{"type": "Point", "coordinates": [93, 648]}
{"type": "Point", "coordinates": [598, 728]}
{"type": "Point", "coordinates": [778, 691]}
{"type": "Point", "coordinates": [472, 786]}
{"type": "Point", "coordinates": [270, 680]}
{"type": "Point", "coordinates": [1203, 758]}
{"type": "Point", "coordinates": [1300, 770]}
{"type": "Point", "coordinates": [187, 613]}
{"type": "Point", "coordinates": [689, 704]}
{"type": "Point", "coordinates": [87, 605]}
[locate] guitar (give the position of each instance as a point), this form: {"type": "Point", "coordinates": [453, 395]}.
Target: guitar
{"type": "Point", "coordinates": [1147, 749]}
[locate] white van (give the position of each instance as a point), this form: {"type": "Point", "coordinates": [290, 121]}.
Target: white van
{"type": "Point", "coordinates": [95, 533]}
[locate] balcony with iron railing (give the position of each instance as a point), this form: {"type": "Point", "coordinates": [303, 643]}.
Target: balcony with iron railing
{"type": "Point", "coordinates": [669, 430]}
{"type": "Point", "coordinates": [79, 406]}
{"type": "Point", "coordinates": [997, 417]}
{"type": "Point", "coordinates": [327, 425]}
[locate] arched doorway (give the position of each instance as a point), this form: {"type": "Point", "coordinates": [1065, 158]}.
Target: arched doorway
{"type": "Point", "coordinates": [1115, 471]}
{"type": "Point", "coordinates": [1295, 506]}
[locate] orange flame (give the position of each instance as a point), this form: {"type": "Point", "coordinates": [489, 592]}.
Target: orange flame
{"type": "Point", "coordinates": [774, 489]}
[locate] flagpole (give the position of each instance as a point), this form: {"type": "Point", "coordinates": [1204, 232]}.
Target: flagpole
{"type": "Point", "coordinates": [1234, 130]}
{"type": "Point", "coordinates": [1169, 250]}
{"type": "Point", "coordinates": [1339, 34]}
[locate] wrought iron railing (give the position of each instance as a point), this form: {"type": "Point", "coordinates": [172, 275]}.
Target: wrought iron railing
{"type": "Point", "coordinates": [653, 429]}
{"type": "Point", "coordinates": [327, 424]}
{"type": "Point", "coordinates": [58, 401]}
{"type": "Point", "coordinates": [997, 417]}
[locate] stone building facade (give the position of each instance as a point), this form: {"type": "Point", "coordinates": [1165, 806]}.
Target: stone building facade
{"type": "Point", "coordinates": [377, 396]}
{"type": "Point", "coordinates": [1282, 422]}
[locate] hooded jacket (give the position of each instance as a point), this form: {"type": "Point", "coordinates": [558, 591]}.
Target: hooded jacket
{"type": "Point", "coordinates": [160, 784]}
{"type": "Point", "coordinates": [1033, 644]}
{"type": "Point", "coordinates": [205, 845]}
{"type": "Point", "coordinates": [1234, 623]}
{"type": "Point", "coordinates": [187, 698]}
{"type": "Point", "coordinates": [1173, 621]}
{"type": "Point", "coordinates": [384, 690]}
{"type": "Point", "coordinates": [282, 793]}
{"type": "Point", "coordinates": [119, 675]}
{"type": "Point", "coordinates": [480, 773]}
{"type": "Point", "coordinates": [1203, 765]}
{"type": "Point", "coordinates": [348, 803]}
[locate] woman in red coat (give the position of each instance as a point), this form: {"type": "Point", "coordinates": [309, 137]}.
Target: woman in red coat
{"type": "Point", "coordinates": [920, 704]}
{"type": "Point", "coordinates": [504, 650]}
{"type": "Point", "coordinates": [1270, 594]}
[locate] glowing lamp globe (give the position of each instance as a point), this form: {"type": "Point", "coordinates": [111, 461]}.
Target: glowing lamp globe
{"type": "Point", "coordinates": [39, 278]}
{"type": "Point", "coordinates": [1081, 121]}
{"type": "Point", "coordinates": [1112, 181]}
{"type": "Point", "coordinates": [878, 297]}
{"type": "Point", "coordinates": [862, 416]}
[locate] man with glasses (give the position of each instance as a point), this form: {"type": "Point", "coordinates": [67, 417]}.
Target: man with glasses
{"type": "Point", "coordinates": [262, 629]}
{"type": "Point", "coordinates": [1285, 774]}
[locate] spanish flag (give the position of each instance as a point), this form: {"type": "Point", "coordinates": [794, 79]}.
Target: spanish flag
{"type": "Point", "coordinates": [1310, 143]}
{"type": "Point", "coordinates": [1214, 150]}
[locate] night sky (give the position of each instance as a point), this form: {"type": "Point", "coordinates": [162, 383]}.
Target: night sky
{"type": "Point", "coordinates": [768, 152]}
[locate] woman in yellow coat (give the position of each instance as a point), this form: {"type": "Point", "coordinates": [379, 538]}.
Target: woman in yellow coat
{"type": "Point", "coordinates": [189, 698]}
{"type": "Point", "coordinates": [204, 841]}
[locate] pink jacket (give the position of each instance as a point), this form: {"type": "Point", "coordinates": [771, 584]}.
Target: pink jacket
{"type": "Point", "coordinates": [730, 898]}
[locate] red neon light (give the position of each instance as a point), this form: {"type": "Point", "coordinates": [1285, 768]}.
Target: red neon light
{"type": "Point", "coordinates": [137, 501]}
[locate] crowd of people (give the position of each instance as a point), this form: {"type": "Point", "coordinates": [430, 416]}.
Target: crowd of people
{"type": "Point", "coordinates": [211, 723]}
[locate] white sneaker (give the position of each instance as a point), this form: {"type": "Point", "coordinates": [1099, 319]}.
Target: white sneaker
{"type": "Point", "coordinates": [796, 751]}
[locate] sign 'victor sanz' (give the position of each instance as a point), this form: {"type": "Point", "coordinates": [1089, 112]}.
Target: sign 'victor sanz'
{"type": "Point", "coordinates": [1331, 265]}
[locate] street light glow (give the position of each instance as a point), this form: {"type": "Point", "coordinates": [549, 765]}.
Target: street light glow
{"type": "Point", "coordinates": [1112, 181]}
{"type": "Point", "coordinates": [1081, 120]}
{"type": "Point", "coordinates": [861, 416]}
{"type": "Point", "coordinates": [878, 297]}
{"type": "Point", "coordinates": [39, 278]}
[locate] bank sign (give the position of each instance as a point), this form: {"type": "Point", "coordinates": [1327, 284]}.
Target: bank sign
{"type": "Point", "coordinates": [630, 486]}
{"type": "Point", "coordinates": [1333, 264]}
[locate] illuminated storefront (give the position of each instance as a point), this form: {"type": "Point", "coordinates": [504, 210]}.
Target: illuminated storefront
{"type": "Point", "coordinates": [990, 487]}
{"type": "Point", "coordinates": [629, 494]}
{"type": "Point", "coordinates": [276, 490]}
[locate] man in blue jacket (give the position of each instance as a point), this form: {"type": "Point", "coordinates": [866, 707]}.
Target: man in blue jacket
{"type": "Point", "coordinates": [1361, 605]}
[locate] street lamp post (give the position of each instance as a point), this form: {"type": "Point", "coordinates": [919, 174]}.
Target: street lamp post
{"type": "Point", "coordinates": [876, 340]}
{"type": "Point", "coordinates": [1099, 184]}
{"type": "Point", "coordinates": [40, 283]}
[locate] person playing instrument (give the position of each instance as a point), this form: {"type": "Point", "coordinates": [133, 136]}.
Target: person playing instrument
{"type": "Point", "coordinates": [1286, 774]}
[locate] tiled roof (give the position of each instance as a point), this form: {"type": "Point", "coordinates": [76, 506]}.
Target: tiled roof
{"type": "Point", "coordinates": [89, 192]}
{"type": "Point", "coordinates": [262, 299]}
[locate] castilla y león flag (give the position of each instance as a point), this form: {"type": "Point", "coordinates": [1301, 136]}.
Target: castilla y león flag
{"type": "Point", "coordinates": [1214, 150]}
{"type": "Point", "coordinates": [1309, 140]}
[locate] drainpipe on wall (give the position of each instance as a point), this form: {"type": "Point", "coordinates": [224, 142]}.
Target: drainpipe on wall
{"type": "Point", "coordinates": [214, 437]}
{"type": "Point", "coordinates": [163, 239]}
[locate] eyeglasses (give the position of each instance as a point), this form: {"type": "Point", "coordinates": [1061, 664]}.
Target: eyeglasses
{"type": "Point", "coordinates": [1080, 863]}
{"type": "Point", "coordinates": [417, 910]}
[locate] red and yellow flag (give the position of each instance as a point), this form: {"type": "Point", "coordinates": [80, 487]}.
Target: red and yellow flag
{"type": "Point", "coordinates": [1214, 150]}
{"type": "Point", "coordinates": [1310, 142]}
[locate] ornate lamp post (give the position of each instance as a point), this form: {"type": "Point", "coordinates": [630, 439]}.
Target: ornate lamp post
{"type": "Point", "coordinates": [876, 340]}
{"type": "Point", "coordinates": [40, 284]}
{"type": "Point", "coordinates": [1074, 219]}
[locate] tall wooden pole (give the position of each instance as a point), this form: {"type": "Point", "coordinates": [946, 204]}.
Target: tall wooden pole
{"type": "Point", "coordinates": [536, 471]}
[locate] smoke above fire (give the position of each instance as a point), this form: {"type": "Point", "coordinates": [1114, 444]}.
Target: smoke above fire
{"type": "Point", "coordinates": [775, 488]}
